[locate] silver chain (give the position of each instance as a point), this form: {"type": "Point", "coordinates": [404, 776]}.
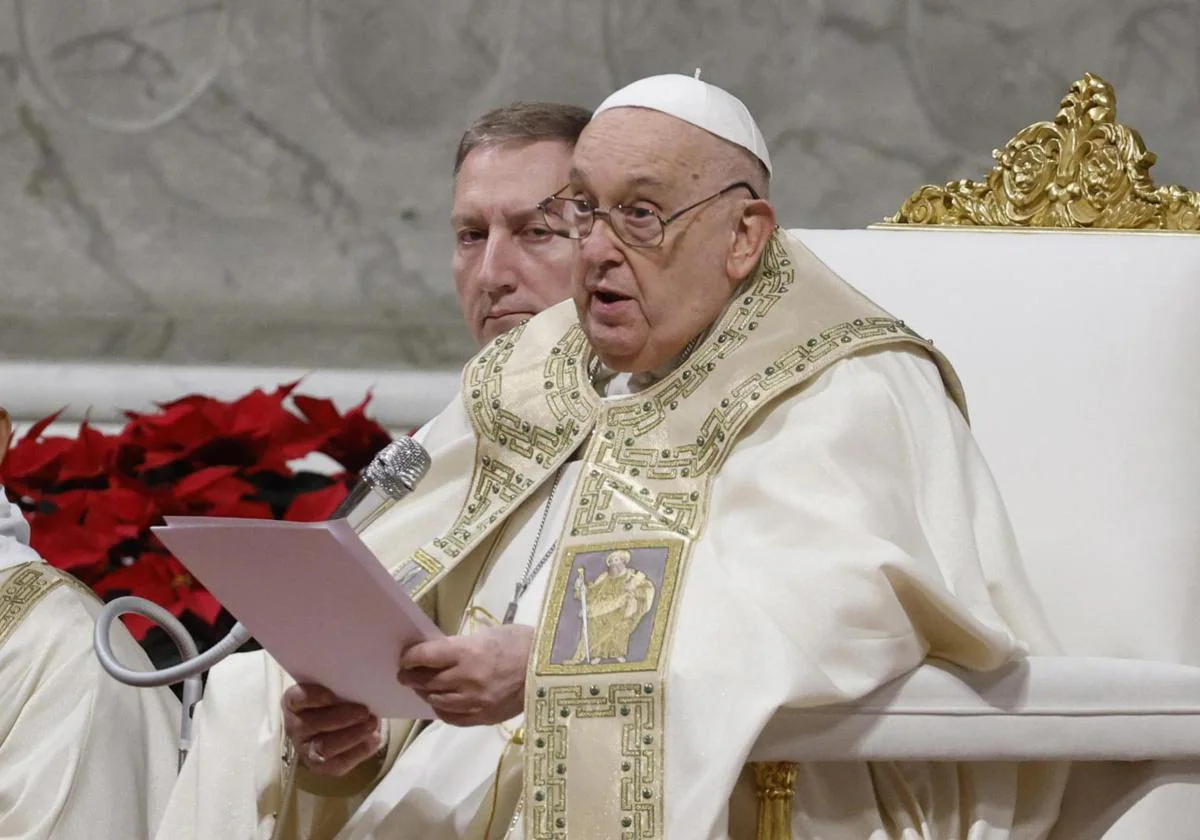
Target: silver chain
{"type": "Point", "coordinates": [531, 569]}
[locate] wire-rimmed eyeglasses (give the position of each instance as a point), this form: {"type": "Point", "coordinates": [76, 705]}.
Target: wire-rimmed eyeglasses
{"type": "Point", "coordinates": [639, 227]}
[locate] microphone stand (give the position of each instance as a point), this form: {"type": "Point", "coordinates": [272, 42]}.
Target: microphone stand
{"type": "Point", "coordinates": [392, 475]}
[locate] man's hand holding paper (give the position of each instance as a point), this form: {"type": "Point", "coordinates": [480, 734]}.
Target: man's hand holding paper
{"type": "Point", "coordinates": [315, 598]}
{"type": "Point", "coordinates": [472, 680]}
{"type": "Point", "coordinates": [331, 735]}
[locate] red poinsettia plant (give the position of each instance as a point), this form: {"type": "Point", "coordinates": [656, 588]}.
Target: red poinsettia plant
{"type": "Point", "coordinates": [92, 499]}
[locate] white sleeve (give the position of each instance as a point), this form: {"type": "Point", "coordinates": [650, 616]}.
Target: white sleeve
{"type": "Point", "coordinates": [14, 535]}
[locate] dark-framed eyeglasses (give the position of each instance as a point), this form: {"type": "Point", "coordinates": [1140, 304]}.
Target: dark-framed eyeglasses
{"type": "Point", "coordinates": [639, 227]}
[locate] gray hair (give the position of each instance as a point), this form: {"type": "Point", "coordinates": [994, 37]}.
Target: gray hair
{"type": "Point", "coordinates": [522, 123]}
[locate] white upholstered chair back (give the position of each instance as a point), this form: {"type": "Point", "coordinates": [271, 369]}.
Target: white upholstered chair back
{"type": "Point", "coordinates": [1080, 356]}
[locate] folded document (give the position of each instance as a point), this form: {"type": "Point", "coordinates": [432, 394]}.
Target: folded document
{"type": "Point", "coordinates": [315, 597]}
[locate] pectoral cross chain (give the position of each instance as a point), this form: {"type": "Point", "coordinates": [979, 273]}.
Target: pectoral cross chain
{"type": "Point", "coordinates": [526, 579]}
{"type": "Point", "coordinates": [531, 570]}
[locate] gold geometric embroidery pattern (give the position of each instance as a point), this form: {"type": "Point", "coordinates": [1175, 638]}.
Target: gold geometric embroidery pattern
{"type": "Point", "coordinates": [562, 377]}
{"type": "Point", "coordinates": [497, 484]}
{"type": "Point", "coordinates": [494, 488]}
{"type": "Point", "coordinates": [642, 756]}
{"type": "Point", "coordinates": [620, 463]}
{"type": "Point", "coordinates": [505, 427]}
{"type": "Point", "coordinates": [484, 380]}
{"type": "Point", "coordinates": [25, 587]}
{"type": "Point", "coordinates": [674, 511]}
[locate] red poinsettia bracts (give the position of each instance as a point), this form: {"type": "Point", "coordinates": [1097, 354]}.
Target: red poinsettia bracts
{"type": "Point", "coordinates": [92, 499]}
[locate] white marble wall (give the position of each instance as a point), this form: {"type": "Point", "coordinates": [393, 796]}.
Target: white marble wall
{"type": "Point", "coordinates": [295, 213]}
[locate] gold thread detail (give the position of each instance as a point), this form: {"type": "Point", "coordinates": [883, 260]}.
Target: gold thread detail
{"type": "Point", "coordinates": [416, 573]}
{"type": "Point", "coordinates": [775, 782]}
{"type": "Point", "coordinates": [513, 450]}
{"type": "Point", "coordinates": [641, 758]}
{"type": "Point", "coordinates": [28, 584]}
{"type": "Point", "coordinates": [1083, 169]}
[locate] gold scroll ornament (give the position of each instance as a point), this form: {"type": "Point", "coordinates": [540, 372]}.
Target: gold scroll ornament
{"type": "Point", "coordinates": [1083, 169]}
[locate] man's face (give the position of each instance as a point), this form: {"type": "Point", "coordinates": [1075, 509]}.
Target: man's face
{"type": "Point", "coordinates": [508, 266]}
{"type": "Point", "coordinates": [641, 306]}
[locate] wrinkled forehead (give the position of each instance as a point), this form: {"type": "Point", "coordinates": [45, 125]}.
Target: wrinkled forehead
{"type": "Point", "coordinates": [628, 146]}
{"type": "Point", "coordinates": [509, 179]}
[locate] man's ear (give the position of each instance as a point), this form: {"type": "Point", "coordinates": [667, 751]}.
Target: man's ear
{"type": "Point", "coordinates": [750, 235]}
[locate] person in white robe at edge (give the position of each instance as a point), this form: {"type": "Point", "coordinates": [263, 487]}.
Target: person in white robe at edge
{"type": "Point", "coordinates": [718, 483]}
{"type": "Point", "coordinates": [81, 755]}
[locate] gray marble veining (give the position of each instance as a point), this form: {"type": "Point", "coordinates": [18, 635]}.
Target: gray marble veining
{"type": "Point", "coordinates": [295, 212]}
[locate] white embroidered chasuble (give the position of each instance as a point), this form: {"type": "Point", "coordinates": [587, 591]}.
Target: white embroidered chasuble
{"type": "Point", "coordinates": [717, 560]}
{"type": "Point", "coordinates": [81, 755]}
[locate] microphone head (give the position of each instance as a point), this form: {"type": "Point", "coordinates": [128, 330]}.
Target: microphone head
{"type": "Point", "coordinates": [397, 469]}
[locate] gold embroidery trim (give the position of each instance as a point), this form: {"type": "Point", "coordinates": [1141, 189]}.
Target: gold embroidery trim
{"type": "Point", "coordinates": [625, 465]}
{"type": "Point", "coordinates": [499, 484]}
{"type": "Point", "coordinates": [619, 448]}
{"type": "Point", "coordinates": [1083, 169]}
{"type": "Point", "coordinates": [641, 708]}
{"type": "Point", "coordinates": [514, 453]}
{"type": "Point", "coordinates": [28, 584]}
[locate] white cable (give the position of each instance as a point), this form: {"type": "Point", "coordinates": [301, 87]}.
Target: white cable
{"type": "Point", "coordinates": [191, 666]}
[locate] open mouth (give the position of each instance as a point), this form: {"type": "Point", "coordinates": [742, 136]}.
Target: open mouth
{"type": "Point", "coordinates": [609, 297]}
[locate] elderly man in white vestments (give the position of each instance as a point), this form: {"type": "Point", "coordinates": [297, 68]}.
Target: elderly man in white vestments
{"type": "Point", "coordinates": [790, 471]}
{"type": "Point", "coordinates": [81, 755]}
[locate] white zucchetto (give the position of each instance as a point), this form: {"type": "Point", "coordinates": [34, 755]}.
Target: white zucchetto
{"type": "Point", "coordinates": [699, 103]}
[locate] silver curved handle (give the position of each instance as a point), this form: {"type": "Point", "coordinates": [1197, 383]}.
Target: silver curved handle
{"type": "Point", "coordinates": [188, 671]}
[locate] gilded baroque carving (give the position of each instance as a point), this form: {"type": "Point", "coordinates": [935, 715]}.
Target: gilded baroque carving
{"type": "Point", "coordinates": [1083, 169]}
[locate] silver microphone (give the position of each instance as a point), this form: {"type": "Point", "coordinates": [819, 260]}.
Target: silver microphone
{"type": "Point", "coordinates": [392, 474]}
